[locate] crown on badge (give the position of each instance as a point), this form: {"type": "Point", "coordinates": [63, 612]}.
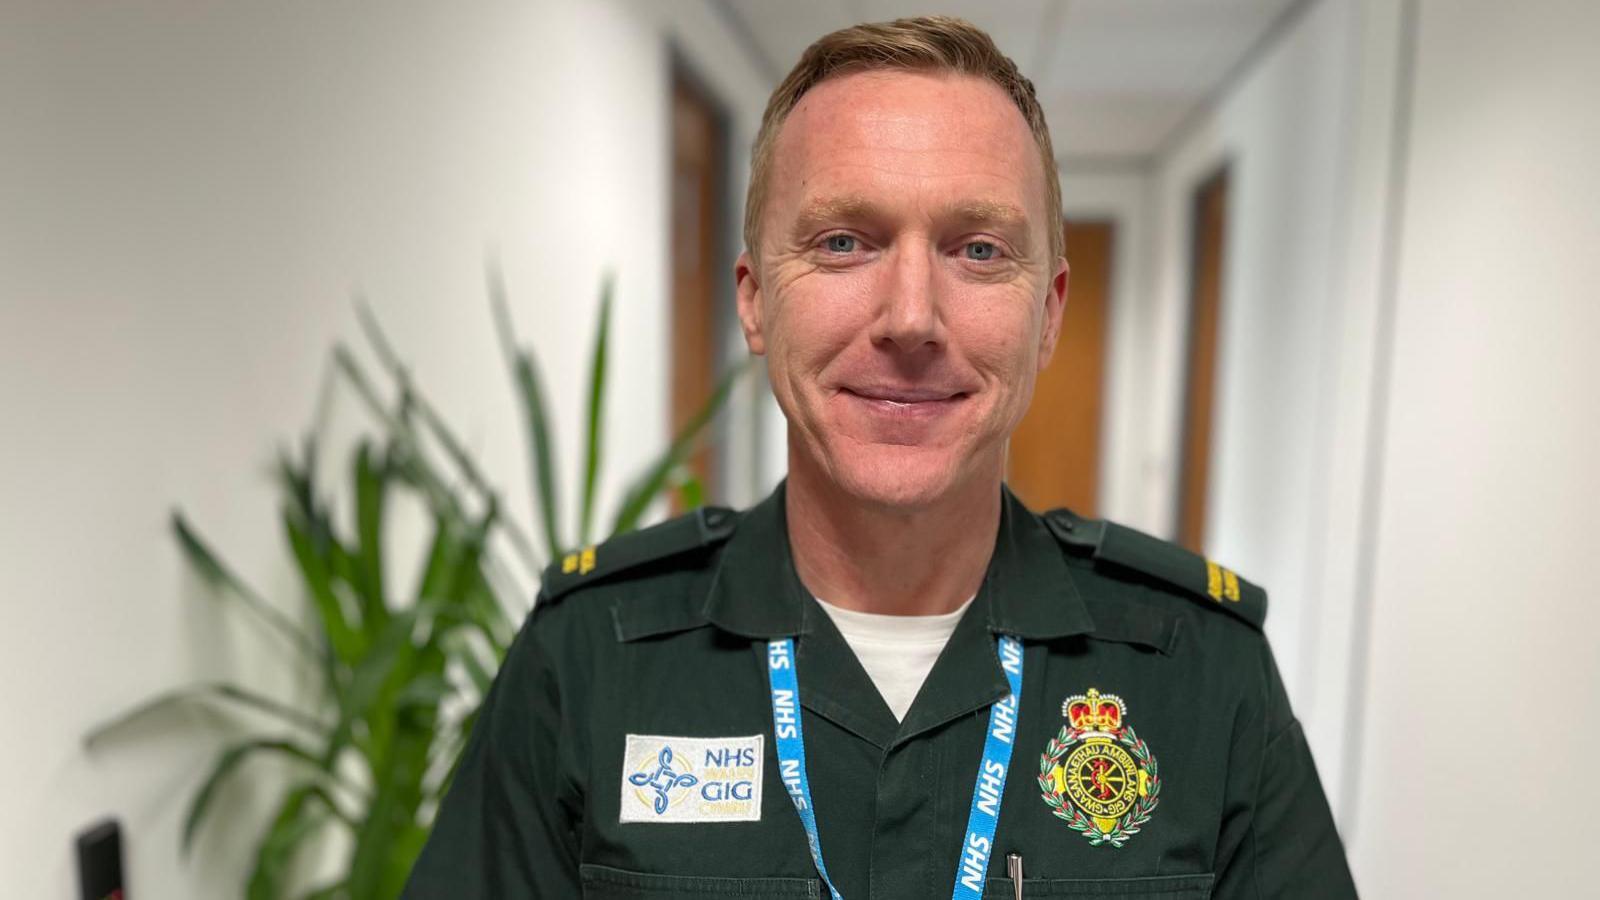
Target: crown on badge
{"type": "Point", "coordinates": [1094, 711]}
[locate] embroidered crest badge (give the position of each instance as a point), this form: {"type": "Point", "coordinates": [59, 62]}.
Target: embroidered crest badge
{"type": "Point", "coordinates": [1096, 774]}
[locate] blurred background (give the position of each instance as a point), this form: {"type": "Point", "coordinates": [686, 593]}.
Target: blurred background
{"type": "Point", "coordinates": [1332, 322]}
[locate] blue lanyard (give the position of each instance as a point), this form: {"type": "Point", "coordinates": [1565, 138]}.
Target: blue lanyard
{"type": "Point", "coordinates": [978, 845]}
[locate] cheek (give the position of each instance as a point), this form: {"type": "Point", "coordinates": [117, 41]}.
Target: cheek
{"type": "Point", "coordinates": [1001, 340]}
{"type": "Point", "coordinates": [814, 328]}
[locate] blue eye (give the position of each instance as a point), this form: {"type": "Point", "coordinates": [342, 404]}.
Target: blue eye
{"type": "Point", "coordinates": [840, 243]}
{"type": "Point", "coordinates": [983, 251]}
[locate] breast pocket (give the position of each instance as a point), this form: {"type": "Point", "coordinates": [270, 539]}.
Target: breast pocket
{"type": "Point", "coordinates": [1163, 887]}
{"type": "Point", "coordinates": [606, 883]}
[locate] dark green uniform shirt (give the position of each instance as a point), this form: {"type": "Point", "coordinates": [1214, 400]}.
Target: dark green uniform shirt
{"type": "Point", "coordinates": [626, 747]}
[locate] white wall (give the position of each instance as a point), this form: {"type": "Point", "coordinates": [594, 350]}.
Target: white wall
{"type": "Point", "coordinates": [1483, 700]}
{"type": "Point", "coordinates": [1290, 128]}
{"type": "Point", "coordinates": [188, 195]}
{"type": "Point", "coordinates": [1406, 426]}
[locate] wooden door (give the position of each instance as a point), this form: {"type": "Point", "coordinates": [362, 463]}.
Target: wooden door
{"type": "Point", "coordinates": [1210, 217]}
{"type": "Point", "coordinates": [697, 166]}
{"type": "Point", "coordinates": [1055, 453]}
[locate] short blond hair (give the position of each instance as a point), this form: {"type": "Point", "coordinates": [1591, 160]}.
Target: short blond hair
{"type": "Point", "coordinates": [934, 43]}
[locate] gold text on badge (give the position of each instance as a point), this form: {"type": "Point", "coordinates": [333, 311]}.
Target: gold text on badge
{"type": "Point", "coordinates": [1096, 774]}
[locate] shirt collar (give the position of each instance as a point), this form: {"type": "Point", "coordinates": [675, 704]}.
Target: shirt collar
{"type": "Point", "coordinates": [755, 592]}
{"type": "Point", "coordinates": [1030, 593]}
{"type": "Point", "coordinates": [1027, 591]}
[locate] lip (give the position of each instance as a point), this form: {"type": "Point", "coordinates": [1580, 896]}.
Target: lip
{"type": "Point", "coordinates": [902, 415]}
{"type": "Point", "coordinates": [904, 396]}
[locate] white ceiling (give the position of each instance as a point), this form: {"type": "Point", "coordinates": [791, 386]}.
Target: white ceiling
{"type": "Point", "coordinates": [1117, 78]}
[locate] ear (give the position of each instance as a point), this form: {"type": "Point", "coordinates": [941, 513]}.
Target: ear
{"type": "Point", "coordinates": [748, 286]}
{"type": "Point", "coordinates": [1055, 301]}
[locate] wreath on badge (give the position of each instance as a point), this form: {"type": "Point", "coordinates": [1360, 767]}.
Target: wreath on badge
{"type": "Point", "coordinates": [1102, 781]}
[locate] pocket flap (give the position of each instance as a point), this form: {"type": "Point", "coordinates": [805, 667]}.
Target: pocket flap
{"type": "Point", "coordinates": [604, 882]}
{"type": "Point", "coordinates": [1160, 887]}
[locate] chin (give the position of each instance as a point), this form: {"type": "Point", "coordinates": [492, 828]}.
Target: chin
{"type": "Point", "coordinates": [898, 477]}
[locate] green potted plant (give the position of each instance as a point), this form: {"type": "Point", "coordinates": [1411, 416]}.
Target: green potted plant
{"type": "Point", "coordinates": [399, 670]}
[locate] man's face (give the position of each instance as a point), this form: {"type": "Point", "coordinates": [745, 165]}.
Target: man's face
{"type": "Point", "coordinates": [903, 291]}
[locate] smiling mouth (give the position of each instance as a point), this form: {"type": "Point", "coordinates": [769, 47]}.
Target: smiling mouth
{"type": "Point", "coordinates": [907, 400]}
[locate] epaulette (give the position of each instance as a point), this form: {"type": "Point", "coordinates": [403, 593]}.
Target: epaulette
{"type": "Point", "coordinates": [1189, 573]}
{"type": "Point", "coordinates": [704, 527]}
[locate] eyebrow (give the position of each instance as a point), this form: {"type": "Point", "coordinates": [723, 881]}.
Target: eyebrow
{"type": "Point", "coordinates": [821, 211]}
{"type": "Point", "coordinates": [985, 212]}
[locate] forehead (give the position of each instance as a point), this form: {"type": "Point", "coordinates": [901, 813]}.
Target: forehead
{"type": "Point", "coordinates": [908, 130]}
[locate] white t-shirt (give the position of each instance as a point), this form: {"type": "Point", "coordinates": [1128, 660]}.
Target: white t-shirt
{"type": "Point", "coordinates": [897, 651]}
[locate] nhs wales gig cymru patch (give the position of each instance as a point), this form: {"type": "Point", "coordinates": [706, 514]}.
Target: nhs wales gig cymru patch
{"type": "Point", "coordinates": [1096, 774]}
{"type": "Point", "coordinates": [683, 779]}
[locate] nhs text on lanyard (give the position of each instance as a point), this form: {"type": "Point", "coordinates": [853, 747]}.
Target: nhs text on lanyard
{"type": "Point", "coordinates": [986, 794]}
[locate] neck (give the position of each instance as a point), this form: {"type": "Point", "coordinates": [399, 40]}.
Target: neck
{"type": "Point", "coordinates": [909, 562]}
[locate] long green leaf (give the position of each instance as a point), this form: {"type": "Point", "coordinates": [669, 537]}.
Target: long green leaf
{"type": "Point", "coordinates": [297, 479]}
{"type": "Point", "coordinates": [433, 486]}
{"type": "Point", "coordinates": [388, 666]}
{"type": "Point", "coordinates": [453, 574]}
{"type": "Point", "coordinates": [384, 660]}
{"type": "Point", "coordinates": [344, 637]}
{"type": "Point", "coordinates": [443, 550]}
{"type": "Point", "coordinates": [531, 390]}
{"type": "Point", "coordinates": [691, 493]}
{"type": "Point", "coordinates": [649, 486]}
{"type": "Point", "coordinates": [210, 693]}
{"type": "Point", "coordinates": [295, 820]}
{"type": "Point", "coordinates": [452, 445]}
{"type": "Point", "coordinates": [221, 578]}
{"type": "Point", "coordinates": [402, 858]}
{"type": "Point", "coordinates": [383, 836]}
{"type": "Point", "coordinates": [597, 395]}
{"type": "Point", "coordinates": [408, 649]}
{"type": "Point", "coordinates": [371, 485]}
{"type": "Point", "coordinates": [227, 761]}
{"type": "Point", "coordinates": [541, 449]}
{"type": "Point", "coordinates": [403, 736]}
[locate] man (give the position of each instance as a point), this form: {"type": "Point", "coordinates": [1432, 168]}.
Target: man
{"type": "Point", "coordinates": [891, 679]}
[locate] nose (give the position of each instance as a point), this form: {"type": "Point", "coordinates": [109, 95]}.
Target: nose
{"type": "Point", "coordinates": [909, 313]}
